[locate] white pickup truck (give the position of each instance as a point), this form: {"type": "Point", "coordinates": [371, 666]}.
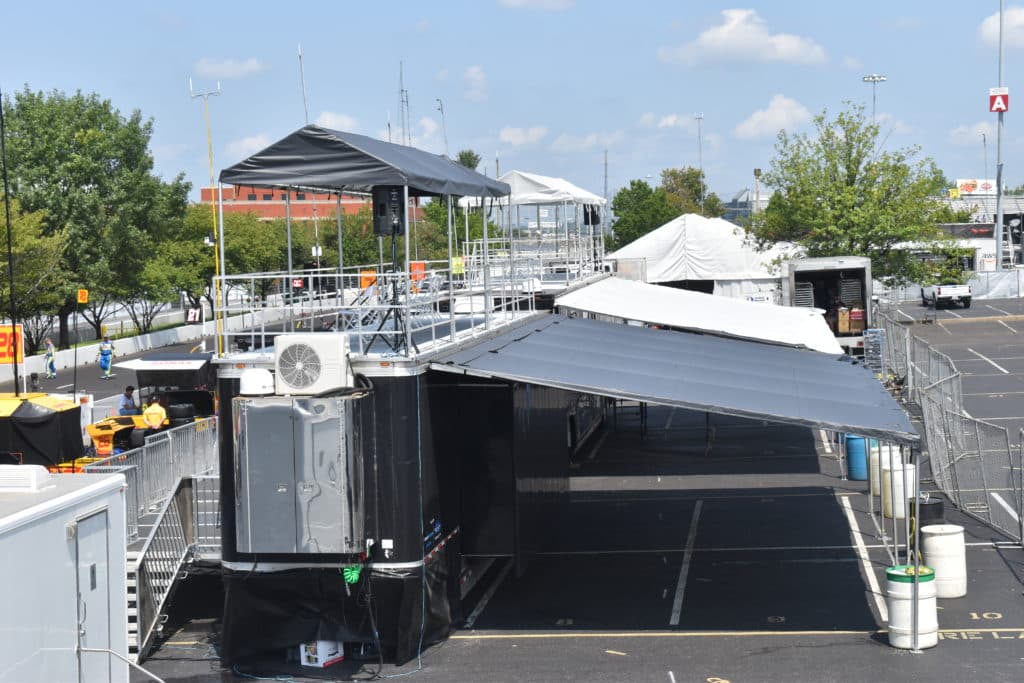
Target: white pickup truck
{"type": "Point", "coordinates": [946, 294]}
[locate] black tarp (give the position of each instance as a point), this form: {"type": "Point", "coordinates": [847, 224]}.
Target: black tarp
{"type": "Point", "coordinates": [322, 159]}
{"type": "Point", "coordinates": [42, 435]}
{"type": "Point", "coordinates": [700, 372]}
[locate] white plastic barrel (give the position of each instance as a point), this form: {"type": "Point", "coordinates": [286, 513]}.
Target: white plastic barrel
{"type": "Point", "coordinates": [887, 453]}
{"type": "Point", "coordinates": [892, 488]}
{"type": "Point", "coordinates": [944, 551]}
{"type": "Point", "coordinates": [900, 600]}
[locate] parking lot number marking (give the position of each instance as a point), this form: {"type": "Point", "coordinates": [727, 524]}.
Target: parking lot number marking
{"type": "Point", "coordinates": [989, 616]}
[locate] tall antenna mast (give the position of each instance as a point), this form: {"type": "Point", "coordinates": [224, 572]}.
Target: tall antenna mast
{"type": "Point", "coordinates": [700, 159]}
{"type": "Point", "coordinates": [302, 80]}
{"type": "Point", "coordinates": [403, 106]}
{"type": "Point", "coordinates": [444, 127]}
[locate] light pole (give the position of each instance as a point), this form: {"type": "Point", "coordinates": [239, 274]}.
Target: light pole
{"type": "Point", "coordinates": [213, 205]}
{"type": "Point", "coordinates": [700, 160]}
{"type": "Point", "coordinates": [999, 232]}
{"type": "Point", "coordinates": [874, 80]}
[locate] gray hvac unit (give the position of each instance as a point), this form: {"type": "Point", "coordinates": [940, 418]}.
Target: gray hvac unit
{"type": "Point", "coordinates": [298, 478]}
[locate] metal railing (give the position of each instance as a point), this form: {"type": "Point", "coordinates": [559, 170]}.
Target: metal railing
{"type": "Point", "coordinates": [971, 460]}
{"type": "Point", "coordinates": [153, 470]}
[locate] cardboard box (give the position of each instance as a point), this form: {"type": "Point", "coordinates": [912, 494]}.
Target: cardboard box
{"type": "Point", "coordinates": [321, 653]}
{"type": "Point", "coordinates": [856, 320]}
{"type": "Point", "coordinates": [844, 321]}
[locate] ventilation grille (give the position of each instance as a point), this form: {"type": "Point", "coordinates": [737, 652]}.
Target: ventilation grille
{"type": "Point", "coordinates": [299, 365]}
{"type": "Point", "coordinates": [23, 478]}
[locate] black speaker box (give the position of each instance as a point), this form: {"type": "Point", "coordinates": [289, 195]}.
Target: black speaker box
{"type": "Point", "coordinates": [388, 210]}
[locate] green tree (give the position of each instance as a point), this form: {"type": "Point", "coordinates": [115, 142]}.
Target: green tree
{"type": "Point", "coordinates": [837, 192]}
{"type": "Point", "coordinates": [639, 209]}
{"type": "Point", "coordinates": [86, 165]}
{"type": "Point", "coordinates": [39, 281]}
{"type": "Point", "coordinates": [468, 158]}
{"type": "Point", "coordinates": [685, 187]}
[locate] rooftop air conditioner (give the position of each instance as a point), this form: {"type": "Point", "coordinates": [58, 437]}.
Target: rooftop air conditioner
{"type": "Point", "coordinates": [310, 364]}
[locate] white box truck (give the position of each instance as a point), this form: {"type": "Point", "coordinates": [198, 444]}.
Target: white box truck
{"type": "Point", "coordinates": [63, 576]}
{"type": "Point", "coordinates": [840, 287]}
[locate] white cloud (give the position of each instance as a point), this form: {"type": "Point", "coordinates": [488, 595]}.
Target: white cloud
{"type": "Point", "coordinates": [582, 143]}
{"type": "Point", "coordinates": [476, 83]}
{"type": "Point", "coordinates": [545, 5]}
{"type": "Point", "coordinates": [673, 120]}
{"type": "Point", "coordinates": [441, 75]}
{"type": "Point", "coordinates": [245, 147]}
{"type": "Point", "coordinates": [228, 68]}
{"type": "Point", "coordinates": [428, 127]}
{"type": "Point", "coordinates": [522, 136]}
{"type": "Point", "coordinates": [782, 112]}
{"type": "Point", "coordinates": [852, 64]}
{"type": "Point", "coordinates": [1013, 28]}
{"type": "Point", "coordinates": [336, 121]}
{"type": "Point", "coordinates": [744, 36]}
{"type": "Point", "coordinates": [423, 135]}
{"type": "Point", "coordinates": [969, 134]}
{"type": "Point", "coordinates": [423, 25]}
{"type": "Point", "coordinates": [887, 123]}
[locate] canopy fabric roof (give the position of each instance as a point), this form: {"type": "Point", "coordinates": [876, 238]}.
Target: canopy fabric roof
{"type": "Point", "coordinates": [696, 311]}
{"type": "Point", "coordinates": [535, 189]}
{"type": "Point", "coordinates": [695, 371]}
{"type": "Point", "coordinates": [330, 160]}
{"type": "Point", "coordinates": [691, 247]}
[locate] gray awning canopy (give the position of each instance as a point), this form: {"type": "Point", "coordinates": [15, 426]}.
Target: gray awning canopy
{"type": "Point", "coordinates": [317, 158]}
{"type": "Point", "coordinates": [728, 376]}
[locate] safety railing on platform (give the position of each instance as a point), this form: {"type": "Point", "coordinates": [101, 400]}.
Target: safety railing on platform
{"type": "Point", "coordinates": [971, 460]}
{"type": "Point", "coordinates": [153, 470]}
{"type": "Point", "coordinates": [206, 515]}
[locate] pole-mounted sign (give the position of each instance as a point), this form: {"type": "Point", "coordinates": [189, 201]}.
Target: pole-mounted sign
{"type": "Point", "coordinates": [998, 100]}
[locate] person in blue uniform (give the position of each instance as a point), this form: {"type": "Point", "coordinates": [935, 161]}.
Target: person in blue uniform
{"type": "Point", "coordinates": [104, 356]}
{"type": "Point", "coordinates": [50, 358]}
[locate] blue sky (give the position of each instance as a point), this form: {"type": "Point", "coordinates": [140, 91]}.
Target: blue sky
{"type": "Point", "coordinates": [546, 85]}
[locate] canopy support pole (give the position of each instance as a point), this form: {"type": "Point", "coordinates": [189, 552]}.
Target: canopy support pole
{"type": "Point", "coordinates": [451, 275]}
{"type": "Point", "coordinates": [288, 230]}
{"type": "Point", "coordinates": [341, 254]}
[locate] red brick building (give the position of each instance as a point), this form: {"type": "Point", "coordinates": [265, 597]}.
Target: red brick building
{"type": "Point", "coordinates": [269, 204]}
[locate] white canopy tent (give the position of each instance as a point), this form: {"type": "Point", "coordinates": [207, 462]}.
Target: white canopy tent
{"type": "Point", "coordinates": [691, 247]}
{"type": "Point", "coordinates": [529, 189]}
{"type": "Point", "coordinates": [630, 300]}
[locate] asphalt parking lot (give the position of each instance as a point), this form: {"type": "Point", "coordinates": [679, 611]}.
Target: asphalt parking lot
{"type": "Point", "coordinates": [985, 344]}
{"type": "Point", "coordinates": [752, 561]}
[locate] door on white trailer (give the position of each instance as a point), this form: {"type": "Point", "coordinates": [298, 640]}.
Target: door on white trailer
{"type": "Point", "coordinates": [93, 572]}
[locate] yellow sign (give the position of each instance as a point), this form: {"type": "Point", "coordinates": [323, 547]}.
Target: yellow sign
{"type": "Point", "coordinates": [9, 341]}
{"type": "Point", "coordinates": [83, 296]}
{"type": "Point", "coordinates": [458, 266]}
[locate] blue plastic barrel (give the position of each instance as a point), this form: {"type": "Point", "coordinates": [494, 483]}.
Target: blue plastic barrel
{"type": "Point", "coordinates": [856, 457]}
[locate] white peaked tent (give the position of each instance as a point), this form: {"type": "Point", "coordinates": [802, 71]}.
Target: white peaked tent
{"type": "Point", "coordinates": [692, 247]}
{"type": "Point", "coordinates": [531, 189]}
{"type": "Point", "coordinates": [629, 300]}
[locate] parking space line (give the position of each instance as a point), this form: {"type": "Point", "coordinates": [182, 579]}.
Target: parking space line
{"type": "Point", "coordinates": [989, 361]}
{"type": "Point", "coordinates": [906, 315]}
{"type": "Point", "coordinates": [998, 309]}
{"type": "Point", "coordinates": [491, 590]}
{"type": "Point", "coordinates": [862, 553]}
{"type": "Point", "coordinates": [944, 328]}
{"type": "Point", "coordinates": [1007, 326]}
{"type": "Point", "coordinates": [999, 499]}
{"type": "Point", "coordinates": [954, 313]}
{"type": "Point", "coordinates": [824, 441]}
{"type": "Point", "coordinates": [677, 604]}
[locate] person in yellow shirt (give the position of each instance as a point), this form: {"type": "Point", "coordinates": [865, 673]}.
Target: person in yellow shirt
{"type": "Point", "coordinates": [154, 415]}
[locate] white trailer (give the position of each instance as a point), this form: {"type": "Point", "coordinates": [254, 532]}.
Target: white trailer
{"type": "Point", "coordinates": [63, 576]}
{"type": "Point", "coordinates": [839, 286]}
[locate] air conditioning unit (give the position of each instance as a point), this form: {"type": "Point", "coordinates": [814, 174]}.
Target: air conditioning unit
{"type": "Point", "coordinates": [310, 364]}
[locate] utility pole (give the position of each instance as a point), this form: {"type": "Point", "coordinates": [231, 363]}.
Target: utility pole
{"type": "Point", "coordinates": [700, 160]}
{"type": "Point", "coordinates": [999, 161]}
{"type": "Point", "coordinates": [444, 126]}
{"type": "Point", "coordinates": [213, 206]}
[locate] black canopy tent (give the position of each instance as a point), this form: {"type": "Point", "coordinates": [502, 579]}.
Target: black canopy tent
{"type": "Point", "coordinates": [319, 159]}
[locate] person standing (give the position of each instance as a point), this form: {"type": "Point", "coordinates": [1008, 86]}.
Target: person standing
{"type": "Point", "coordinates": [105, 355]}
{"type": "Point", "coordinates": [50, 359]}
{"type": "Point", "coordinates": [127, 406]}
{"type": "Point", "coordinates": [154, 415]}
